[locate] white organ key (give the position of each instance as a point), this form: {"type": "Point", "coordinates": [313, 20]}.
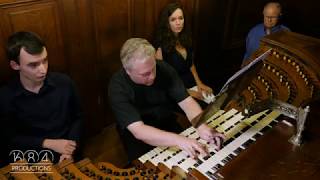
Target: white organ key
{"type": "Point", "coordinates": [223, 118]}
{"type": "Point", "coordinates": [219, 113]}
{"type": "Point", "coordinates": [252, 118]}
{"type": "Point", "coordinates": [145, 157]}
{"type": "Point", "coordinates": [244, 123]}
{"type": "Point", "coordinates": [153, 156]}
{"type": "Point", "coordinates": [184, 161]}
{"type": "Point", "coordinates": [236, 118]}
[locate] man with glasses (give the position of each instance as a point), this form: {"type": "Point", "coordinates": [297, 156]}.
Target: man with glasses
{"type": "Point", "coordinates": [143, 96]}
{"type": "Point", "coordinates": [271, 14]}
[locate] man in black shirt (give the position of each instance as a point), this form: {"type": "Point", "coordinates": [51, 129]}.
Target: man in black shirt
{"type": "Point", "coordinates": [41, 109]}
{"type": "Point", "coordinates": [142, 95]}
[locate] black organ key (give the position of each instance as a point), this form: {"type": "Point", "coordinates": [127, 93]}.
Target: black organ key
{"type": "Point", "coordinates": [245, 129]}
{"type": "Point", "coordinates": [211, 153]}
{"type": "Point", "coordinates": [167, 158]}
{"type": "Point", "coordinates": [155, 155]}
{"type": "Point", "coordinates": [254, 122]}
{"type": "Point", "coordinates": [228, 128]}
{"type": "Point", "coordinates": [274, 122]}
{"type": "Point", "coordinates": [231, 156]}
{"type": "Point", "coordinates": [228, 158]}
{"type": "Point", "coordinates": [237, 135]}
{"type": "Point", "coordinates": [265, 129]}
{"type": "Point", "coordinates": [216, 167]}
{"type": "Point", "coordinates": [181, 161]}
{"type": "Point", "coordinates": [238, 150]}
{"type": "Point", "coordinates": [237, 122]}
{"type": "Point", "coordinates": [268, 111]}
{"type": "Point", "coordinates": [261, 117]}
{"type": "Point", "coordinates": [176, 152]}
{"type": "Point", "coordinates": [206, 157]}
{"type": "Point", "coordinates": [228, 141]}
{"type": "Point", "coordinates": [211, 175]}
{"type": "Point", "coordinates": [198, 163]}
{"type": "Point", "coordinates": [257, 135]}
{"type": "Point", "coordinates": [247, 143]}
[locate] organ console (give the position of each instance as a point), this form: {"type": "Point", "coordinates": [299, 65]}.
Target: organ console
{"type": "Point", "coordinates": [256, 146]}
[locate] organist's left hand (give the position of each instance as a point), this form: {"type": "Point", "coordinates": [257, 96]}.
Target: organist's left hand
{"type": "Point", "coordinates": [211, 135]}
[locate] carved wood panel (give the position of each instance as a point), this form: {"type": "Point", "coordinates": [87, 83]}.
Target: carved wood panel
{"type": "Point", "coordinates": [41, 17]}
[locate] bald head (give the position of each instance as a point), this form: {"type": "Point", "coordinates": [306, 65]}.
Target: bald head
{"type": "Point", "coordinates": [271, 13]}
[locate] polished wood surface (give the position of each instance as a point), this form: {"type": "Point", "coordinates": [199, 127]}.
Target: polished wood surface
{"type": "Point", "coordinates": [291, 73]}
{"type": "Point", "coordinates": [273, 157]}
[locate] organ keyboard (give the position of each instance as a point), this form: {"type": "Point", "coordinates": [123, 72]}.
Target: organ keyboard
{"type": "Point", "coordinates": [240, 132]}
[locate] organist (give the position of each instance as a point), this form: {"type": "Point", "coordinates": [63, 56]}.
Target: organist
{"type": "Point", "coordinates": [143, 94]}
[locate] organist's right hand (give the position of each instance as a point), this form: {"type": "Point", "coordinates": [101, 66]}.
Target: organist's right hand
{"type": "Point", "coordinates": [211, 135]}
{"type": "Point", "coordinates": [192, 147]}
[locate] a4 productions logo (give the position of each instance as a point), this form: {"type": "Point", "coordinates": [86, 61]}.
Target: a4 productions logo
{"type": "Point", "coordinates": [31, 161]}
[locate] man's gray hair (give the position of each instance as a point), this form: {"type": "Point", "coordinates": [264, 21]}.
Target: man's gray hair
{"type": "Point", "coordinates": [135, 49]}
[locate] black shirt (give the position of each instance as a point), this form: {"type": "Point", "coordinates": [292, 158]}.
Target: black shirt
{"type": "Point", "coordinates": [30, 118]}
{"type": "Point", "coordinates": [154, 105]}
{"type": "Point", "coordinates": [181, 65]}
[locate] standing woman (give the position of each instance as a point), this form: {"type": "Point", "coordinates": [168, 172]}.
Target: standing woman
{"type": "Point", "coordinates": [174, 45]}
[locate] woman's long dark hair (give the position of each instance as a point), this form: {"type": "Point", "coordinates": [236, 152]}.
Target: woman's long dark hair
{"type": "Point", "coordinates": [165, 37]}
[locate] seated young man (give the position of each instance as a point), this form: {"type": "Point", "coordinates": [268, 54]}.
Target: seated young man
{"type": "Point", "coordinates": [41, 109]}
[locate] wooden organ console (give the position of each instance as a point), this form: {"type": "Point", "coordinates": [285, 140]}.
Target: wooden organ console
{"type": "Point", "coordinates": [290, 74]}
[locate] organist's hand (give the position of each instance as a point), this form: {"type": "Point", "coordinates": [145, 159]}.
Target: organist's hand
{"type": "Point", "coordinates": [65, 157]}
{"type": "Point", "coordinates": [62, 146]}
{"type": "Point", "coordinates": [192, 147]}
{"type": "Point", "coordinates": [211, 135]}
